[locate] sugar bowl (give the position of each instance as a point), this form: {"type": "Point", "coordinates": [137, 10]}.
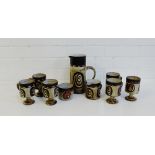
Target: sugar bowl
{"type": "Point", "coordinates": [65, 91]}
{"type": "Point", "coordinates": [49, 89]}
{"type": "Point", "coordinates": [26, 89]}
{"type": "Point", "coordinates": [132, 87]}
{"type": "Point", "coordinates": [113, 89]}
{"type": "Point", "coordinates": [39, 78]}
{"type": "Point", "coordinates": [93, 89]}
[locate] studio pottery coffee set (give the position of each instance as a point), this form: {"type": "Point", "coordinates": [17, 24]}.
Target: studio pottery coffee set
{"type": "Point", "coordinates": [49, 89]}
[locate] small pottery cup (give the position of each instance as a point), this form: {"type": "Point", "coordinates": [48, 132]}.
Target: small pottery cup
{"type": "Point", "coordinates": [49, 89]}
{"type": "Point", "coordinates": [26, 88]}
{"type": "Point", "coordinates": [39, 78]}
{"type": "Point", "coordinates": [113, 75]}
{"type": "Point", "coordinates": [65, 91]}
{"type": "Point", "coordinates": [132, 87]}
{"type": "Point", "coordinates": [113, 89]}
{"type": "Point", "coordinates": [93, 89]}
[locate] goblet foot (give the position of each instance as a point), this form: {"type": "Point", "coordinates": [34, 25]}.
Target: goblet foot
{"type": "Point", "coordinates": [51, 102]}
{"type": "Point", "coordinates": [29, 101]}
{"type": "Point", "coordinates": [112, 100]}
{"type": "Point", "coordinates": [130, 98]}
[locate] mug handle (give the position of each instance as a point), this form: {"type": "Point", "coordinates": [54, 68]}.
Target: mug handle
{"type": "Point", "coordinates": [93, 69]}
{"type": "Point", "coordinates": [100, 87]}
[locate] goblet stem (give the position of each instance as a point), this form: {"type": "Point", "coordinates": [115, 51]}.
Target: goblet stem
{"type": "Point", "coordinates": [130, 97]}
{"type": "Point", "coordinates": [29, 101]}
{"type": "Point", "coordinates": [51, 102]}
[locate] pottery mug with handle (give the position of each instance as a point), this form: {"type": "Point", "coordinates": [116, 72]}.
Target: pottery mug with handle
{"type": "Point", "coordinates": [78, 70]}
{"type": "Point", "coordinates": [93, 89]}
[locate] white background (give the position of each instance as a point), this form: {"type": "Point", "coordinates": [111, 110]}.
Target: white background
{"type": "Point", "coordinates": [82, 18]}
{"type": "Point", "coordinates": [72, 18]}
{"type": "Point", "coordinates": [23, 57]}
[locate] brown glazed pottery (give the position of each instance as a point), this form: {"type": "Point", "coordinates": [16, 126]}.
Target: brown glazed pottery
{"type": "Point", "coordinates": [49, 88]}
{"type": "Point", "coordinates": [65, 91]}
{"type": "Point", "coordinates": [93, 89]}
{"type": "Point", "coordinates": [78, 70]}
{"type": "Point", "coordinates": [113, 89]}
{"type": "Point", "coordinates": [132, 87]}
{"type": "Point", "coordinates": [39, 78]}
{"type": "Point", "coordinates": [26, 88]}
{"type": "Point", "coordinates": [113, 75]}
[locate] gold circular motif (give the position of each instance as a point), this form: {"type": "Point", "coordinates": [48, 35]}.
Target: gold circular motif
{"type": "Point", "coordinates": [46, 93]}
{"type": "Point", "coordinates": [130, 87]}
{"type": "Point", "coordinates": [89, 93]}
{"type": "Point", "coordinates": [78, 80]}
{"type": "Point", "coordinates": [108, 90]}
{"type": "Point", "coordinates": [22, 93]}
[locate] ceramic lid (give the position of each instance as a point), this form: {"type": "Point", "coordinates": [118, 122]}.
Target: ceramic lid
{"type": "Point", "coordinates": [114, 81]}
{"type": "Point", "coordinates": [133, 79]}
{"type": "Point", "coordinates": [65, 86]}
{"type": "Point", "coordinates": [26, 82]}
{"type": "Point", "coordinates": [50, 82]}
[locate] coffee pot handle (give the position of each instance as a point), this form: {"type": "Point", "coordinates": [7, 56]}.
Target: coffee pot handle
{"type": "Point", "coordinates": [93, 69]}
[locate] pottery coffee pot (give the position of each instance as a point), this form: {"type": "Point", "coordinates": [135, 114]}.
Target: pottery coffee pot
{"type": "Point", "coordinates": [78, 73]}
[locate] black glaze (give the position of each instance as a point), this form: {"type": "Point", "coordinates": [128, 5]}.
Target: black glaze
{"type": "Point", "coordinates": [26, 83]}
{"type": "Point", "coordinates": [93, 82]}
{"type": "Point", "coordinates": [39, 76]}
{"type": "Point", "coordinates": [114, 82]}
{"type": "Point", "coordinates": [78, 60]}
{"type": "Point", "coordinates": [113, 75]}
{"type": "Point", "coordinates": [65, 86]}
{"type": "Point", "coordinates": [133, 79]}
{"type": "Point", "coordinates": [50, 83]}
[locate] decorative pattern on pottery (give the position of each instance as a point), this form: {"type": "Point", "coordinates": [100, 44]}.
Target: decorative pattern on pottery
{"type": "Point", "coordinates": [78, 78]}
{"type": "Point", "coordinates": [93, 93]}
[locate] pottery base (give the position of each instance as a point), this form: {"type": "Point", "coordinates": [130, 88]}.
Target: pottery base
{"type": "Point", "coordinates": [112, 100]}
{"type": "Point", "coordinates": [51, 102]}
{"type": "Point", "coordinates": [29, 101]}
{"type": "Point", "coordinates": [130, 98]}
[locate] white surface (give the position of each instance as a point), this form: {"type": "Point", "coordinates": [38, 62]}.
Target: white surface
{"type": "Point", "coordinates": [82, 18]}
{"type": "Point", "coordinates": [20, 58]}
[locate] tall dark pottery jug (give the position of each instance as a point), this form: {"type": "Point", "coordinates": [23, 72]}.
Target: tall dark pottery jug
{"type": "Point", "coordinates": [78, 70]}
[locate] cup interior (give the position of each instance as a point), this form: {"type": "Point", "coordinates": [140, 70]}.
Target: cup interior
{"type": "Point", "coordinates": [134, 78]}
{"type": "Point", "coordinates": [114, 81]}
